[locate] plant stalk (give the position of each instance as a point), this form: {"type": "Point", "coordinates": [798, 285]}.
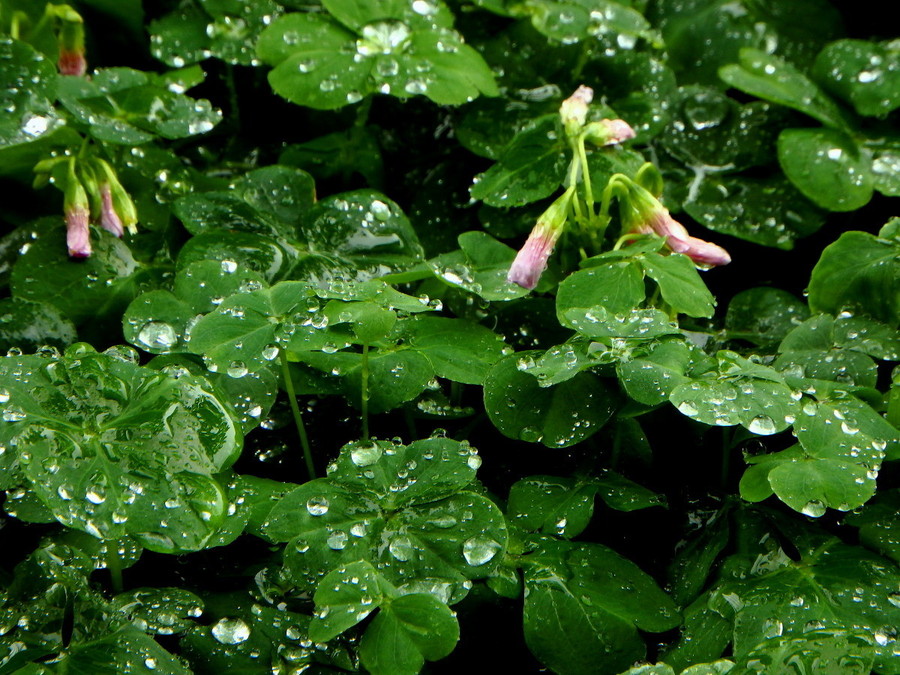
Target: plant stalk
{"type": "Point", "coordinates": [298, 417]}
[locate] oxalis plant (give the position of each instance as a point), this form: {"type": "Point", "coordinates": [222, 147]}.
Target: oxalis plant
{"type": "Point", "coordinates": [383, 337]}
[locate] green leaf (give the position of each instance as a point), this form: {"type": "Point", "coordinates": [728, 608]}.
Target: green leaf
{"type": "Point", "coordinates": [114, 449]}
{"type": "Point", "coordinates": [247, 330]}
{"type": "Point", "coordinates": [827, 166]}
{"type": "Point", "coordinates": [651, 378]}
{"type": "Point", "coordinates": [345, 597]}
{"type": "Point", "coordinates": [598, 322]}
{"type": "Point", "coordinates": [120, 651]}
{"type": "Point", "coordinates": [831, 589]}
{"type": "Point", "coordinates": [557, 416]}
{"type": "Point", "coordinates": [162, 611]}
{"type": "Point", "coordinates": [362, 229]}
{"type": "Point", "coordinates": [878, 523]}
{"type": "Point", "coordinates": [160, 322]}
{"type": "Point", "coordinates": [763, 315]}
{"type": "Point", "coordinates": [243, 633]}
{"type": "Point", "coordinates": [702, 35]}
{"type": "Point", "coordinates": [119, 105]}
{"type": "Point", "coordinates": [858, 272]}
{"type": "Point", "coordinates": [28, 325]}
{"type": "Point", "coordinates": [679, 283]}
{"type": "Point", "coordinates": [480, 267]}
{"type": "Point", "coordinates": [29, 112]}
{"type": "Point", "coordinates": [551, 505]}
{"type": "Point", "coordinates": [775, 80]}
{"type": "Point", "coordinates": [397, 476]}
{"type": "Point", "coordinates": [408, 631]}
{"type": "Point", "coordinates": [742, 392]}
{"type": "Point", "coordinates": [617, 287]}
{"type": "Point", "coordinates": [768, 211]}
{"type": "Point", "coordinates": [569, 21]}
{"type": "Point", "coordinates": [226, 30]}
{"type": "Point", "coordinates": [850, 651]}
{"type": "Point", "coordinates": [458, 350]}
{"type": "Point", "coordinates": [394, 377]}
{"type": "Point", "coordinates": [91, 289]}
{"type": "Point", "coordinates": [621, 494]}
{"type": "Point", "coordinates": [530, 168]}
{"type": "Point", "coordinates": [327, 61]}
{"type": "Point", "coordinates": [713, 131]}
{"type": "Point", "coordinates": [865, 74]}
{"type": "Point", "coordinates": [583, 606]}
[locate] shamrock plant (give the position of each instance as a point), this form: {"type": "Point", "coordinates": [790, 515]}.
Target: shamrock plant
{"type": "Point", "coordinates": [375, 337]}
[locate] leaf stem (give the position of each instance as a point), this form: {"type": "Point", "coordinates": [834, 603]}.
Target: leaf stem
{"type": "Point", "coordinates": [364, 387]}
{"type": "Point", "coordinates": [298, 417]}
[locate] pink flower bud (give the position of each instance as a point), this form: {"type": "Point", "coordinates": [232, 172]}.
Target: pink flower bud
{"type": "Point", "coordinates": [72, 62]}
{"type": "Point", "coordinates": [574, 109]}
{"type": "Point", "coordinates": [608, 132]}
{"type": "Point", "coordinates": [109, 219]}
{"type": "Point", "coordinates": [78, 232]}
{"type": "Point", "coordinates": [531, 260]}
{"type": "Point", "coordinates": [642, 213]}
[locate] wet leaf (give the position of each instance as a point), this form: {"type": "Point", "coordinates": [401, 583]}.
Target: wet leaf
{"type": "Point", "coordinates": [866, 74]}
{"type": "Point", "coordinates": [827, 166]}
{"type": "Point", "coordinates": [329, 60]}
{"type": "Point", "coordinates": [557, 416]}
{"type": "Point", "coordinates": [591, 600]}
{"type": "Point", "coordinates": [114, 449]}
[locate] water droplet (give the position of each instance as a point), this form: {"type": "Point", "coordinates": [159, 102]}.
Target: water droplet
{"type": "Point", "coordinates": [231, 631]}
{"type": "Point", "coordinates": [317, 506]}
{"type": "Point", "coordinates": [401, 548]}
{"type": "Point", "coordinates": [762, 425]}
{"type": "Point", "coordinates": [158, 335]}
{"type": "Point", "coordinates": [365, 454]}
{"type": "Point", "coordinates": [479, 550]}
{"type": "Point", "coordinates": [814, 509]}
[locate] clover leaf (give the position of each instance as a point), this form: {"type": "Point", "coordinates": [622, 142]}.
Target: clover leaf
{"type": "Point", "coordinates": [329, 60]}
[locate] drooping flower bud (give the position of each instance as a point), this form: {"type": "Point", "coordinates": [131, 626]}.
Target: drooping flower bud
{"type": "Point", "coordinates": [531, 260]}
{"type": "Point", "coordinates": [109, 219]}
{"type": "Point", "coordinates": [77, 210]}
{"type": "Point", "coordinates": [608, 132]}
{"type": "Point", "coordinates": [574, 109]}
{"type": "Point", "coordinates": [70, 38]}
{"type": "Point", "coordinates": [116, 201]}
{"type": "Point", "coordinates": [643, 214]}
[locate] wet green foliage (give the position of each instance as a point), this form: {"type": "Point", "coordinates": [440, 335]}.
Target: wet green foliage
{"type": "Point", "coordinates": [300, 419]}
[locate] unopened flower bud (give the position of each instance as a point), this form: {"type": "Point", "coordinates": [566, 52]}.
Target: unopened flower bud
{"type": "Point", "coordinates": [643, 214]}
{"type": "Point", "coordinates": [608, 132]}
{"type": "Point", "coordinates": [77, 211]}
{"type": "Point", "coordinates": [120, 202]}
{"type": "Point", "coordinates": [574, 109]}
{"type": "Point", "coordinates": [70, 39]}
{"type": "Point", "coordinates": [531, 260]}
{"type": "Point", "coordinates": [109, 219]}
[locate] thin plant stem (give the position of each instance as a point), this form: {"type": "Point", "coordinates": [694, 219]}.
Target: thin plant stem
{"type": "Point", "coordinates": [298, 417]}
{"type": "Point", "coordinates": [364, 399]}
{"type": "Point", "coordinates": [585, 174]}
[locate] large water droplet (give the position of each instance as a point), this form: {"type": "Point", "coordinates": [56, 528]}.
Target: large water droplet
{"type": "Point", "coordinates": [158, 335]}
{"type": "Point", "coordinates": [317, 506]}
{"type": "Point", "coordinates": [479, 550]}
{"type": "Point", "coordinates": [365, 454]}
{"type": "Point", "coordinates": [231, 631]}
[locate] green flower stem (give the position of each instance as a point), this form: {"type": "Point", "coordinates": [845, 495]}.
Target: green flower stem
{"type": "Point", "coordinates": [298, 417]}
{"type": "Point", "coordinates": [364, 400]}
{"type": "Point", "coordinates": [578, 146]}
